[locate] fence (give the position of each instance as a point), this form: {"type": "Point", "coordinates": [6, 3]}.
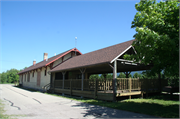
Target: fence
{"type": "Point", "coordinates": [88, 84]}
{"type": "Point", "coordinates": [104, 87]}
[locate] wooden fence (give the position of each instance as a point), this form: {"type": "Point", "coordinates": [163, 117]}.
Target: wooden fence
{"type": "Point", "coordinates": [88, 84]}
{"type": "Point", "coordinates": [103, 88]}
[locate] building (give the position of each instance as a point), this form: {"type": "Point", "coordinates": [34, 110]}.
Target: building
{"type": "Point", "coordinates": [69, 74]}
{"type": "Point", "coordinates": [36, 76]}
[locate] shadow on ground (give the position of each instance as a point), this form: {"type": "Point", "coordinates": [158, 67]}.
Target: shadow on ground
{"type": "Point", "coordinates": [27, 89]}
{"type": "Point", "coordinates": [165, 111]}
{"type": "Point", "coordinates": [104, 112]}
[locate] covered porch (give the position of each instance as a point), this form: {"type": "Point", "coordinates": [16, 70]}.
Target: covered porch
{"type": "Point", "coordinates": [76, 81]}
{"type": "Point", "coordinates": [72, 76]}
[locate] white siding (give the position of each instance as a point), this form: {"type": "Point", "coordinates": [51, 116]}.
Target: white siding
{"type": "Point", "coordinates": [67, 56]}
{"type": "Point", "coordinates": [57, 62]}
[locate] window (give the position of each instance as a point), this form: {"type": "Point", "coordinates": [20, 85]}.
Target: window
{"type": "Point", "coordinates": [45, 73]}
{"type": "Point", "coordinates": [32, 74]}
{"type": "Point", "coordinates": [28, 77]}
{"type": "Point", "coordinates": [25, 77]}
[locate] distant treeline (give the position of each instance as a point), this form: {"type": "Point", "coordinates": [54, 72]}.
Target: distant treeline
{"type": "Point", "coordinates": [10, 76]}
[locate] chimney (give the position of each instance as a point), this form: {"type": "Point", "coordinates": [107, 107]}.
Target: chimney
{"type": "Point", "coordinates": [34, 62]}
{"type": "Point", "coordinates": [45, 56]}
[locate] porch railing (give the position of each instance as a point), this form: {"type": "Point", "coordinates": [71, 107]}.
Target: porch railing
{"type": "Point", "coordinates": [123, 84]}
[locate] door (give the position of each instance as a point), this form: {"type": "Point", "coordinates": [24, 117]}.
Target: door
{"type": "Point", "coordinates": [38, 78]}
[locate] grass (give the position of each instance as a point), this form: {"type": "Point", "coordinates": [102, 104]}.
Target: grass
{"type": "Point", "coordinates": [159, 106]}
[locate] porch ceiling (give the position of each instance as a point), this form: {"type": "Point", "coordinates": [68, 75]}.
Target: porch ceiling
{"type": "Point", "coordinates": [106, 68]}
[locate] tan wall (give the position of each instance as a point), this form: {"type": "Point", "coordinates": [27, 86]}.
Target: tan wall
{"type": "Point", "coordinates": [33, 80]}
{"type": "Point", "coordinates": [44, 79]}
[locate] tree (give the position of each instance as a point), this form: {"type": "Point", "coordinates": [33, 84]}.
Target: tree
{"type": "Point", "coordinates": [3, 77]}
{"type": "Point", "coordinates": [137, 75]}
{"type": "Point", "coordinates": [95, 76]}
{"type": "Point", "coordinates": [129, 76]}
{"type": "Point", "coordinates": [10, 76]}
{"type": "Point", "coordinates": [122, 75]}
{"type": "Point", "coordinates": [109, 76]}
{"type": "Point", "coordinates": [157, 37]}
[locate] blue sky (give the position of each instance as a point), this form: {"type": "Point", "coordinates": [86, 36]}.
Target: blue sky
{"type": "Point", "coordinates": [30, 28]}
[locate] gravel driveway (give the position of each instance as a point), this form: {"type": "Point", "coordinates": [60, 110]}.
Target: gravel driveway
{"type": "Point", "coordinates": [34, 105]}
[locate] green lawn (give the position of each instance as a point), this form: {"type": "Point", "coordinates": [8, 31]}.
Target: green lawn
{"type": "Point", "coordinates": [159, 106]}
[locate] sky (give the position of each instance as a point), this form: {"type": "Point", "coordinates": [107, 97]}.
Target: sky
{"type": "Point", "coordinates": [31, 28]}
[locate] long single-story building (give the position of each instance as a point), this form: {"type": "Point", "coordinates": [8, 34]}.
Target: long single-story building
{"type": "Point", "coordinates": [69, 73]}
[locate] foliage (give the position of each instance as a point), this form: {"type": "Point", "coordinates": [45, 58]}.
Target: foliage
{"type": "Point", "coordinates": [95, 76]}
{"type": "Point", "coordinates": [137, 75]}
{"type": "Point", "coordinates": [157, 37]}
{"type": "Point", "coordinates": [10, 76]}
{"type": "Point", "coordinates": [122, 75]}
{"type": "Point", "coordinates": [109, 76]}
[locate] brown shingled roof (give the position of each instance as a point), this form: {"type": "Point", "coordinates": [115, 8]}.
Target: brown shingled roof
{"type": "Point", "coordinates": [49, 61]}
{"type": "Point", "coordinates": [96, 57]}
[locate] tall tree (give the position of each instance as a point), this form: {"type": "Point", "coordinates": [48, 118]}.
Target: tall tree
{"type": "Point", "coordinates": [157, 37]}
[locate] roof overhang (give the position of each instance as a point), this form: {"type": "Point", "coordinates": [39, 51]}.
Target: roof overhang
{"type": "Point", "coordinates": [122, 66]}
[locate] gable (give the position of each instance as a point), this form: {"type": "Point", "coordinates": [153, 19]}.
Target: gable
{"type": "Point", "coordinates": [51, 60]}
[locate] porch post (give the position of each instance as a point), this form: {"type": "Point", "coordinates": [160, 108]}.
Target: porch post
{"type": "Point", "coordinates": [82, 81]}
{"type": "Point", "coordinates": [82, 71]}
{"type": "Point", "coordinates": [114, 80]}
{"type": "Point", "coordinates": [53, 79]}
{"type": "Point", "coordinates": [63, 73]}
{"type": "Point", "coordinates": [127, 74]}
{"type": "Point", "coordinates": [104, 75]}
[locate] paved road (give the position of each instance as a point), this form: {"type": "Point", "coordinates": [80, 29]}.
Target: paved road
{"type": "Point", "coordinates": [34, 105]}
